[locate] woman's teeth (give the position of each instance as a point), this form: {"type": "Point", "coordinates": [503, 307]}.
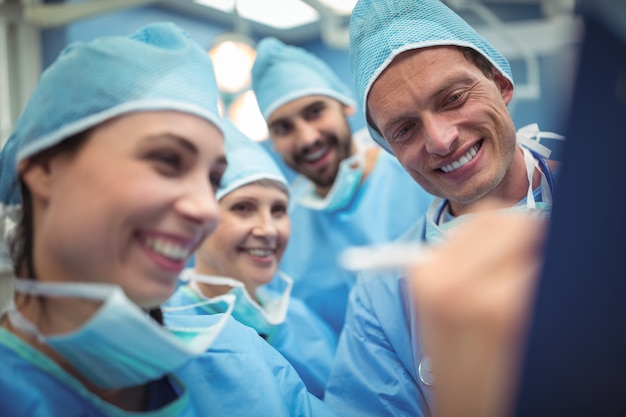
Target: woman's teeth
{"type": "Point", "coordinates": [168, 248]}
{"type": "Point", "coordinates": [259, 252]}
{"type": "Point", "coordinates": [462, 160]}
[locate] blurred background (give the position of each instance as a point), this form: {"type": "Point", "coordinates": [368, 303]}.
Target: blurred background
{"type": "Point", "coordinates": [539, 37]}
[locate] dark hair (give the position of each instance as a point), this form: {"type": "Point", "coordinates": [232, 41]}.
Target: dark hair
{"type": "Point", "coordinates": [22, 242]}
{"type": "Point", "coordinates": [483, 64]}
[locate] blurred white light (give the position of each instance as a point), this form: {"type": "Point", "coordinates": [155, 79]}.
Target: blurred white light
{"type": "Point", "coordinates": [232, 63]}
{"type": "Point", "coordinates": [281, 14]}
{"type": "Point", "coordinates": [343, 7]}
{"type": "Point", "coordinates": [245, 114]}
{"type": "Point", "coordinates": [223, 5]}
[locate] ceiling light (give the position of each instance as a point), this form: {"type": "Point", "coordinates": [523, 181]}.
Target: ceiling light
{"type": "Point", "coordinates": [281, 14]}
{"type": "Point", "coordinates": [223, 5]}
{"type": "Point", "coordinates": [232, 56]}
{"type": "Point", "coordinates": [342, 7]}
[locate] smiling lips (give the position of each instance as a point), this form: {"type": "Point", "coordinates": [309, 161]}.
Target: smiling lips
{"type": "Point", "coordinates": [462, 160]}
{"type": "Point", "coordinates": [259, 252]}
{"type": "Point", "coordinates": [172, 250]}
{"type": "Point", "coordinates": [313, 156]}
{"type": "Point", "coordinates": [316, 157]}
{"type": "Point", "coordinates": [261, 256]}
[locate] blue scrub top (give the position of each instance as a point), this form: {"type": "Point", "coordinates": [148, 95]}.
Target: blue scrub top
{"type": "Point", "coordinates": [379, 351]}
{"type": "Point", "coordinates": [304, 339]}
{"type": "Point", "coordinates": [375, 371]}
{"type": "Point", "coordinates": [387, 203]}
{"type": "Point", "coordinates": [240, 375]}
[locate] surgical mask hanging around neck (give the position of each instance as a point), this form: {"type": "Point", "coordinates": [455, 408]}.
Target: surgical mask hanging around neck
{"type": "Point", "coordinates": [120, 345]}
{"type": "Point", "coordinates": [530, 137]}
{"type": "Point", "coordinates": [437, 229]}
{"type": "Point", "coordinates": [262, 317]}
{"type": "Point", "coordinates": [344, 187]}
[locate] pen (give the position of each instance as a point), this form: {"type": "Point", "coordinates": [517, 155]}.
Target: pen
{"type": "Point", "coordinates": [383, 257]}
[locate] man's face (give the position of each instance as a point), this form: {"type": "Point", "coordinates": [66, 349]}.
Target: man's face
{"type": "Point", "coordinates": [313, 136]}
{"type": "Point", "coordinates": [447, 123]}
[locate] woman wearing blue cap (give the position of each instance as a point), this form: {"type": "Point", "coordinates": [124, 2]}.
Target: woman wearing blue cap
{"type": "Point", "coordinates": [242, 256]}
{"type": "Point", "coordinates": [112, 170]}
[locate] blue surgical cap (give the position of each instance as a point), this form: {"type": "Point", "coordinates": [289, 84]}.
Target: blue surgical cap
{"type": "Point", "coordinates": [380, 30]}
{"type": "Point", "coordinates": [283, 73]}
{"type": "Point", "coordinates": [248, 162]}
{"type": "Point", "coordinates": [158, 67]}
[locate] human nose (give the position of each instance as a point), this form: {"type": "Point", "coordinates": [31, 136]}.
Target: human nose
{"type": "Point", "coordinates": [306, 134]}
{"type": "Point", "coordinates": [198, 203]}
{"type": "Point", "coordinates": [440, 135]}
{"type": "Point", "coordinates": [265, 226]}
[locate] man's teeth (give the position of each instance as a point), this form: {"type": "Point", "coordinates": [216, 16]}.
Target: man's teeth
{"type": "Point", "coordinates": [315, 155]}
{"type": "Point", "coordinates": [462, 160]}
{"type": "Point", "coordinates": [168, 248]}
{"type": "Point", "coordinates": [259, 252]}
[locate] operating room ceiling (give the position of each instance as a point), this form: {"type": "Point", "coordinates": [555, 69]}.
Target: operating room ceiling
{"type": "Point", "coordinates": [520, 29]}
{"type": "Point", "coordinates": [299, 21]}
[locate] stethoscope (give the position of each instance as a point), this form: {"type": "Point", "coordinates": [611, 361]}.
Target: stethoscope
{"type": "Point", "coordinates": [424, 369]}
{"type": "Point", "coordinates": [546, 170]}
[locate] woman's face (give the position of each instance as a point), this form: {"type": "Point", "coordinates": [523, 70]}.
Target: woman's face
{"type": "Point", "coordinates": [250, 237]}
{"type": "Point", "coordinates": [130, 206]}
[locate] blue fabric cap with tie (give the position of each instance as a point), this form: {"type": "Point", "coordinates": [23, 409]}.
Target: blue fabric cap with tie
{"type": "Point", "coordinates": [380, 30]}
{"type": "Point", "coordinates": [156, 68]}
{"type": "Point", "coordinates": [159, 67]}
{"type": "Point", "coordinates": [282, 73]}
{"type": "Point", "coordinates": [248, 162]}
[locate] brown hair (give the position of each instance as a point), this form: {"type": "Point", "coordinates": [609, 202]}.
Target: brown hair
{"type": "Point", "coordinates": [478, 59]}
{"type": "Point", "coordinates": [22, 242]}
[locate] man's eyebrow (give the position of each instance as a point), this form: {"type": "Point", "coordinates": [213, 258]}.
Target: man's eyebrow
{"type": "Point", "coordinates": [313, 104]}
{"type": "Point", "coordinates": [388, 124]}
{"type": "Point", "coordinates": [452, 81]}
{"type": "Point", "coordinates": [280, 120]}
{"type": "Point", "coordinates": [286, 120]}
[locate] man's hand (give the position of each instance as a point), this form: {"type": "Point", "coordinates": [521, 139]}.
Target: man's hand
{"type": "Point", "coordinates": [473, 298]}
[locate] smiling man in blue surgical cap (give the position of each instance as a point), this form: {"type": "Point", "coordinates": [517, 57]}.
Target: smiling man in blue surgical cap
{"type": "Point", "coordinates": [435, 95]}
{"type": "Point", "coordinates": [347, 194]}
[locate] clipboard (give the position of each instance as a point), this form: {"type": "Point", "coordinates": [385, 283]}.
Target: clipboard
{"type": "Point", "coordinates": [575, 358]}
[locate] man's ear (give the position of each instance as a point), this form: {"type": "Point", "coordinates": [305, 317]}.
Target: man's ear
{"type": "Point", "coordinates": [37, 177]}
{"type": "Point", "coordinates": [504, 85]}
